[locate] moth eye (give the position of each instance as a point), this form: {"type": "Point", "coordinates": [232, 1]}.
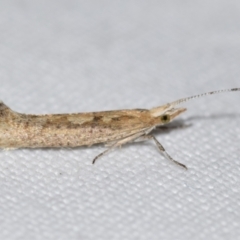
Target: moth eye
{"type": "Point", "coordinates": [165, 118]}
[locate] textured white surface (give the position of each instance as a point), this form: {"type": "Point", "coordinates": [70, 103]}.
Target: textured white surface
{"type": "Point", "coordinates": [73, 56]}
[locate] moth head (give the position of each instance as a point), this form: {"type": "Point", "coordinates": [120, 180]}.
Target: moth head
{"type": "Point", "coordinates": [169, 115]}
{"type": "Point", "coordinates": [166, 113]}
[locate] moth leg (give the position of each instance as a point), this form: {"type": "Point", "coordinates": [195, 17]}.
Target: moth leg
{"type": "Point", "coordinates": [118, 143]}
{"type": "Point", "coordinates": [161, 148]}
{"type": "Point", "coordinates": [106, 151]}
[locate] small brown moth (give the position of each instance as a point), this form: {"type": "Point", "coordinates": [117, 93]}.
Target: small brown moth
{"type": "Point", "coordinates": [114, 128]}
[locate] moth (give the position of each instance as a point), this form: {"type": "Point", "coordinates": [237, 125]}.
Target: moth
{"type": "Point", "coordinates": [113, 128]}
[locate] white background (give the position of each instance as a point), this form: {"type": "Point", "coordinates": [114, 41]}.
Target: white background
{"type": "Point", "coordinates": [75, 56]}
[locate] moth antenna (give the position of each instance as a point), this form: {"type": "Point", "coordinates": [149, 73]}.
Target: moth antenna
{"type": "Point", "coordinates": [181, 100]}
